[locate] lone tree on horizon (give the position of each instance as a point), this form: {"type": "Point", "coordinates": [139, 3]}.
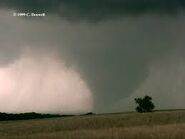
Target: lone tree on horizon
{"type": "Point", "coordinates": [144, 104]}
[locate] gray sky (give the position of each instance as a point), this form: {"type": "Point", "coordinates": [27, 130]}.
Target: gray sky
{"type": "Point", "coordinates": [108, 51]}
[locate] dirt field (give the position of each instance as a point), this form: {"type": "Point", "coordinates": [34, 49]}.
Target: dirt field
{"type": "Point", "coordinates": [157, 125]}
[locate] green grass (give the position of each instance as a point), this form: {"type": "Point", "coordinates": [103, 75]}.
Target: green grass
{"type": "Point", "coordinates": [156, 125]}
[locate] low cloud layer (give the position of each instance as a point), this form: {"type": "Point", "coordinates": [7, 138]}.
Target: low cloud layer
{"type": "Point", "coordinates": [94, 10]}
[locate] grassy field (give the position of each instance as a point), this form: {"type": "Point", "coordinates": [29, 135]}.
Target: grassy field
{"type": "Point", "coordinates": [156, 125]}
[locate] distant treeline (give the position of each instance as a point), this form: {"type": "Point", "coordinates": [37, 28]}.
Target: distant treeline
{"type": "Point", "coordinates": [26, 116]}
{"type": "Point", "coordinates": [33, 115]}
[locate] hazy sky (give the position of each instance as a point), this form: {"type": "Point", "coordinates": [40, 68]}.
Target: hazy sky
{"type": "Point", "coordinates": [91, 55]}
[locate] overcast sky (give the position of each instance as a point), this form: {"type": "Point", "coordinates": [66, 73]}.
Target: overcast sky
{"type": "Point", "coordinates": [91, 55]}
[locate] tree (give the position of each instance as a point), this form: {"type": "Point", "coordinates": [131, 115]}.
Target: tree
{"type": "Point", "coordinates": [144, 104]}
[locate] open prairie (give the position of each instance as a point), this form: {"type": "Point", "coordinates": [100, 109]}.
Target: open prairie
{"type": "Point", "coordinates": [156, 125]}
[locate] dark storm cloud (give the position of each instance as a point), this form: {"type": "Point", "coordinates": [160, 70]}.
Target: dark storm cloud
{"type": "Point", "coordinates": [113, 57]}
{"type": "Point", "coordinates": [96, 9]}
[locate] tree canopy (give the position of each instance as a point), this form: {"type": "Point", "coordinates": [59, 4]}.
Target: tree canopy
{"type": "Point", "coordinates": [144, 104]}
